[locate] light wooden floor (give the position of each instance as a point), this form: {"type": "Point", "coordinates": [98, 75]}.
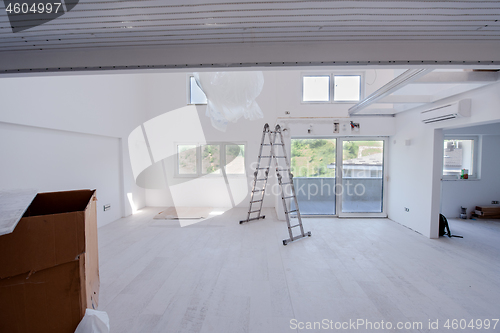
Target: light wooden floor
{"type": "Point", "coordinates": [219, 276]}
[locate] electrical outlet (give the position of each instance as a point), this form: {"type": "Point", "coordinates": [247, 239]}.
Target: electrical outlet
{"type": "Point", "coordinates": [407, 209]}
{"type": "Point", "coordinates": [107, 207]}
{"type": "Point", "coordinates": [494, 202]}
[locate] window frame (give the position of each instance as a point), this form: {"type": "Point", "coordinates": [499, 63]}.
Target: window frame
{"type": "Point", "coordinates": [332, 86]}
{"type": "Point", "coordinates": [360, 88]}
{"type": "Point", "coordinates": [244, 158]}
{"type": "Point", "coordinates": [329, 88]}
{"type": "Point", "coordinates": [199, 172]}
{"type": "Point", "coordinates": [188, 90]}
{"type": "Point", "coordinates": [177, 166]}
{"type": "Point", "coordinates": [221, 158]}
{"type": "Point", "coordinates": [476, 175]}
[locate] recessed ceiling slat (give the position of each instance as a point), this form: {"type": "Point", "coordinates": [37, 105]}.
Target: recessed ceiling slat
{"type": "Point", "coordinates": [150, 23]}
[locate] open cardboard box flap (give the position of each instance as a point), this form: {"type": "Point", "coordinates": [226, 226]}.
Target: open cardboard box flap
{"type": "Point", "coordinates": [52, 231]}
{"type": "Point", "coordinates": [50, 259]}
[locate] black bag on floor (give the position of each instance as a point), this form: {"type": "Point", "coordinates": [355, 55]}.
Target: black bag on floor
{"type": "Point", "coordinates": [444, 228]}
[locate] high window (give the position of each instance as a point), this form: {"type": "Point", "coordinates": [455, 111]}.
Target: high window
{"type": "Point", "coordinates": [195, 94]}
{"type": "Point", "coordinates": [331, 88]}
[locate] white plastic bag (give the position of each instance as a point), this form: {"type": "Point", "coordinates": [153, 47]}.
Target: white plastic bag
{"type": "Point", "coordinates": [231, 95]}
{"type": "Point", "coordinates": [94, 322]}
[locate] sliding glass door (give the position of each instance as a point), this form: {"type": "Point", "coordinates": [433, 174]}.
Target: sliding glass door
{"type": "Point", "coordinates": [339, 176]}
{"type": "Point", "coordinates": [313, 165]}
{"type": "Point", "coordinates": [362, 177]}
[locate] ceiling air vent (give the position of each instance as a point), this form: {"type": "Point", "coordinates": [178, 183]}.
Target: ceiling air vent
{"type": "Point", "coordinates": [448, 111]}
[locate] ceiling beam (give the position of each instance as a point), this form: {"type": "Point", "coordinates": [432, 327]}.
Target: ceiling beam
{"type": "Point", "coordinates": [394, 85]}
{"type": "Point", "coordinates": [395, 99]}
{"type": "Point", "coordinates": [459, 77]}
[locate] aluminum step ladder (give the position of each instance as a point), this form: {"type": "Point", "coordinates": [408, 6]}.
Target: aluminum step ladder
{"type": "Point", "coordinates": [261, 175]}
{"type": "Point", "coordinates": [277, 152]}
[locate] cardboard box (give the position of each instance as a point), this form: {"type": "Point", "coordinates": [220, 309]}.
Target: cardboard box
{"type": "Point", "coordinates": [488, 212]}
{"type": "Point", "coordinates": [49, 266]}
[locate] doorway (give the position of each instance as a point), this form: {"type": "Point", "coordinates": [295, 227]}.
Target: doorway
{"type": "Point", "coordinates": [341, 176]}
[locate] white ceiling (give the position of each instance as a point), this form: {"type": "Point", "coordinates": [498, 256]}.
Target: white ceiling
{"type": "Point", "coordinates": [148, 22]}
{"type": "Point", "coordinates": [154, 34]}
{"type": "Point", "coordinates": [431, 87]}
{"type": "Point", "coordinates": [131, 26]}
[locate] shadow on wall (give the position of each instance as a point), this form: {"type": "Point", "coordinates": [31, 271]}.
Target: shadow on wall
{"type": "Point", "coordinates": [167, 152]}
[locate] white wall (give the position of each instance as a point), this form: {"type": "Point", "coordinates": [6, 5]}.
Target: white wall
{"type": "Point", "coordinates": [172, 121]}
{"type": "Point", "coordinates": [282, 92]}
{"type": "Point", "coordinates": [73, 105]}
{"type": "Point", "coordinates": [472, 193]}
{"type": "Point", "coordinates": [416, 170]}
{"type": "Point", "coordinates": [113, 105]}
{"type": "Point", "coordinates": [53, 160]}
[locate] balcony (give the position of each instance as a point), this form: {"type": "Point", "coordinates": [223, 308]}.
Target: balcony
{"type": "Point", "coordinates": [317, 196]}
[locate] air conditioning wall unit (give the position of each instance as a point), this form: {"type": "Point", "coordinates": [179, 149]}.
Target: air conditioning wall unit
{"type": "Point", "coordinates": [452, 110]}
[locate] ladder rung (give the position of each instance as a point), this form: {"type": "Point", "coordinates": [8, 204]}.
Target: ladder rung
{"type": "Point", "coordinates": [254, 211]}
{"type": "Point", "coordinates": [265, 156]}
{"type": "Point", "coordinates": [293, 226]}
{"type": "Point", "coordinates": [256, 201]}
{"type": "Point", "coordinates": [259, 180]}
{"type": "Point", "coordinates": [286, 241]}
{"type": "Point", "coordinates": [266, 144]}
{"type": "Point", "coordinates": [292, 211]}
{"type": "Point", "coordinates": [258, 190]}
{"type": "Point", "coordinates": [286, 183]}
{"type": "Point", "coordinates": [280, 156]}
{"type": "Point", "coordinates": [253, 218]}
{"type": "Point", "coordinates": [278, 144]}
{"type": "Point", "coordinates": [285, 169]}
{"type": "Point", "coordinates": [262, 168]}
{"type": "Point", "coordinates": [289, 197]}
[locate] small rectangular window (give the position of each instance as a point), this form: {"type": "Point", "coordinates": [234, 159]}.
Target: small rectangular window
{"type": "Point", "coordinates": [196, 95]}
{"type": "Point", "coordinates": [346, 88]}
{"type": "Point", "coordinates": [210, 159]}
{"type": "Point", "coordinates": [195, 160]}
{"type": "Point", "coordinates": [316, 88]}
{"type": "Point", "coordinates": [235, 159]}
{"type": "Point", "coordinates": [187, 159]}
{"type": "Point", "coordinates": [459, 154]}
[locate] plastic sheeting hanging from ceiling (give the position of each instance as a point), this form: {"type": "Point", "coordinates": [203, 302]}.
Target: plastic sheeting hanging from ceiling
{"type": "Point", "coordinates": [231, 95]}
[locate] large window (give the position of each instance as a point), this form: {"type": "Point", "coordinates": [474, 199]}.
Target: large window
{"type": "Point", "coordinates": [188, 159]}
{"type": "Point", "coordinates": [235, 159]}
{"type": "Point", "coordinates": [210, 159]}
{"type": "Point", "coordinates": [460, 154]}
{"type": "Point", "coordinates": [313, 157]}
{"type": "Point", "coordinates": [362, 159]}
{"type": "Point", "coordinates": [319, 88]}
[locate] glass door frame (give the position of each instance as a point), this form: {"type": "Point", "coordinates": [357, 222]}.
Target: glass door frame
{"type": "Point", "coordinates": [339, 178]}
{"type": "Point", "coordinates": [319, 137]}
